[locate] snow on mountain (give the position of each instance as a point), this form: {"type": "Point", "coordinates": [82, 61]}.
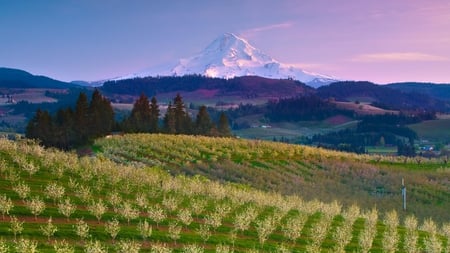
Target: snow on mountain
{"type": "Point", "coordinates": [229, 56]}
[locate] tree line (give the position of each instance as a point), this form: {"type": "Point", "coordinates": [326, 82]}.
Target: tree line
{"type": "Point", "coordinates": [145, 118]}
{"type": "Point", "coordinates": [73, 127]}
{"type": "Point", "coordinates": [373, 130]}
{"type": "Point", "coordinates": [94, 118]}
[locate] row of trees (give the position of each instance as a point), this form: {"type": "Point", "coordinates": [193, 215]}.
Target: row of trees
{"type": "Point", "coordinates": [144, 118]}
{"type": "Point", "coordinates": [374, 130]}
{"type": "Point", "coordinates": [303, 108]}
{"type": "Point", "coordinates": [90, 120]}
{"type": "Point", "coordinates": [73, 127]}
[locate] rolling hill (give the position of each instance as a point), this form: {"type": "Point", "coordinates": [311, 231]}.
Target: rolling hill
{"type": "Point", "coordinates": [54, 201]}
{"type": "Point", "coordinates": [382, 96]}
{"type": "Point", "coordinates": [438, 91]}
{"type": "Point", "coordinates": [19, 79]}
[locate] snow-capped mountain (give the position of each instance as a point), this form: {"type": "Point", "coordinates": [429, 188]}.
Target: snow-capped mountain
{"type": "Point", "coordinates": [229, 56]}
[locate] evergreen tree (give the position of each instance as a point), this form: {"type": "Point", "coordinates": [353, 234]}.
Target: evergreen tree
{"type": "Point", "coordinates": [183, 123]}
{"type": "Point", "coordinates": [63, 130]}
{"type": "Point", "coordinates": [40, 127]}
{"type": "Point", "coordinates": [169, 120]}
{"type": "Point", "coordinates": [203, 123]}
{"type": "Point", "coordinates": [81, 119]}
{"type": "Point", "coordinates": [140, 117]}
{"type": "Point", "coordinates": [223, 126]}
{"type": "Point", "coordinates": [154, 116]}
{"type": "Point", "coordinates": [101, 116]}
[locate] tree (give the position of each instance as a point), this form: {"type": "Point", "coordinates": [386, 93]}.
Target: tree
{"type": "Point", "coordinates": [169, 120]}
{"type": "Point", "coordinates": [174, 231]}
{"type": "Point", "coordinates": [203, 123]}
{"type": "Point", "coordinates": [154, 116]}
{"type": "Point", "coordinates": [54, 191]}
{"type": "Point", "coordinates": [145, 229]}
{"type": "Point", "coordinates": [63, 129]}
{"type": "Point", "coordinates": [22, 189]}
{"type": "Point", "coordinates": [128, 212]}
{"type": "Point", "coordinates": [112, 227]}
{"type": "Point", "coordinates": [82, 229]}
{"type": "Point", "coordinates": [128, 246]}
{"type": "Point", "coordinates": [36, 206]}
{"type": "Point", "coordinates": [5, 205]}
{"type": "Point", "coordinates": [95, 246]}
{"type": "Point", "coordinates": [40, 127]}
{"type": "Point", "coordinates": [16, 226]}
{"type": "Point", "coordinates": [183, 122]}
{"type": "Point", "coordinates": [63, 247]}
{"type": "Point", "coordinates": [223, 126]}
{"type": "Point", "coordinates": [66, 208]}
{"type": "Point", "coordinates": [101, 115]}
{"type": "Point", "coordinates": [97, 208]}
{"type": "Point", "coordinates": [49, 230]}
{"type": "Point", "coordinates": [140, 117]}
{"type": "Point", "coordinates": [81, 119]}
{"type": "Point", "coordinates": [26, 246]}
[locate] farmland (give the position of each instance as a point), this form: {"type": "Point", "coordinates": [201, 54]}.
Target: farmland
{"type": "Point", "coordinates": [433, 130]}
{"type": "Point", "coordinates": [136, 193]}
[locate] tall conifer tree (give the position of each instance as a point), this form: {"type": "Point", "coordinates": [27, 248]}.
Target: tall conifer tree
{"type": "Point", "coordinates": [140, 117]}
{"type": "Point", "coordinates": [81, 119]}
{"type": "Point", "coordinates": [40, 127]}
{"type": "Point", "coordinates": [154, 116]}
{"type": "Point", "coordinates": [224, 126]}
{"type": "Point", "coordinates": [101, 115]}
{"type": "Point", "coordinates": [203, 123]}
{"type": "Point", "coordinates": [169, 120]}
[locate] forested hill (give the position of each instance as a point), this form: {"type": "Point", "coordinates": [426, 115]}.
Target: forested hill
{"type": "Point", "coordinates": [438, 91]}
{"type": "Point", "coordinates": [15, 78]}
{"type": "Point", "coordinates": [245, 86]}
{"type": "Point", "coordinates": [382, 96]}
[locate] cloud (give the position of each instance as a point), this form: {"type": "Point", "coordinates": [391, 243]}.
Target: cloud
{"type": "Point", "coordinates": [305, 65]}
{"type": "Point", "coordinates": [390, 57]}
{"type": "Point", "coordinates": [253, 31]}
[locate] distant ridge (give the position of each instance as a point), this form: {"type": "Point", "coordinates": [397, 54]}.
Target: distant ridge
{"type": "Point", "coordinates": [15, 78]}
{"type": "Point", "coordinates": [438, 91]}
{"type": "Point", "coordinates": [231, 56]}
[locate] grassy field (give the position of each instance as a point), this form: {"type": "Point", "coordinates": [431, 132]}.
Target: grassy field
{"type": "Point", "coordinates": [292, 169]}
{"type": "Point", "coordinates": [382, 150]}
{"type": "Point", "coordinates": [137, 195]}
{"type": "Point", "coordinates": [290, 130]}
{"type": "Point", "coordinates": [433, 130]}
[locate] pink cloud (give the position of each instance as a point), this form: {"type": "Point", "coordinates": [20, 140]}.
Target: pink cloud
{"type": "Point", "coordinates": [397, 56]}
{"type": "Point", "coordinates": [251, 32]}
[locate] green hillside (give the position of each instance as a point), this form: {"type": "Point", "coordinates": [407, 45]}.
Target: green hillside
{"type": "Point", "coordinates": [433, 130]}
{"type": "Point", "coordinates": [123, 200]}
{"type": "Point", "coordinates": [293, 169]}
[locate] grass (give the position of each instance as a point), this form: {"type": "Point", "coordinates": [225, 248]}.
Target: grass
{"type": "Point", "coordinates": [292, 169]}
{"type": "Point", "coordinates": [129, 179]}
{"type": "Point", "coordinates": [290, 130]}
{"type": "Point", "coordinates": [433, 130]}
{"type": "Point", "coordinates": [382, 150]}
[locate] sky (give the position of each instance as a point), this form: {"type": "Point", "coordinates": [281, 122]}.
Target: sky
{"type": "Point", "coordinates": [382, 41]}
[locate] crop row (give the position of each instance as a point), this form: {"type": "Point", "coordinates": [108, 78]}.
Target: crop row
{"type": "Point", "coordinates": [52, 200]}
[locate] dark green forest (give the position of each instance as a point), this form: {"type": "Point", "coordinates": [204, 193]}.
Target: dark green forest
{"type": "Point", "coordinates": [90, 119]}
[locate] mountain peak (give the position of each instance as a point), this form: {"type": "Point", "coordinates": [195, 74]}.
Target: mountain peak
{"type": "Point", "coordinates": [230, 56]}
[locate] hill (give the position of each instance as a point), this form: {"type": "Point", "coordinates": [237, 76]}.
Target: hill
{"type": "Point", "coordinates": [237, 90]}
{"type": "Point", "coordinates": [293, 169]}
{"type": "Point", "coordinates": [91, 204]}
{"type": "Point", "coordinates": [438, 91]}
{"type": "Point", "coordinates": [19, 79]}
{"type": "Point", "coordinates": [382, 96]}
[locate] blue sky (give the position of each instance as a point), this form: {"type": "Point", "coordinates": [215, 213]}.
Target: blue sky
{"type": "Point", "coordinates": [381, 41]}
